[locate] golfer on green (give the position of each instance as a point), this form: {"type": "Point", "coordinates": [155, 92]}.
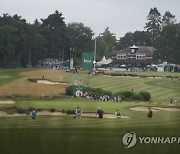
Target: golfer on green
{"type": "Point", "coordinates": [33, 114]}
{"type": "Point", "coordinates": [78, 113]}
{"type": "Point", "coordinates": [118, 114]}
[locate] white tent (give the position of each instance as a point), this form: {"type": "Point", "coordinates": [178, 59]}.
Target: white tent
{"type": "Point", "coordinates": [104, 61]}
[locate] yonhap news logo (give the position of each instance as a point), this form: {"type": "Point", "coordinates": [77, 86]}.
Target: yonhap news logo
{"type": "Point", "coordinates": [130, 139]}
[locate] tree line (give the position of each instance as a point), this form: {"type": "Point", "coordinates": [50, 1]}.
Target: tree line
{"type": "Point", "coordinates": [24, 44]}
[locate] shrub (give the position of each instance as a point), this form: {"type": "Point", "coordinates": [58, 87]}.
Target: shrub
{"type": "Point", "coordinates": [31, 108]}
{"type": "Point", "coordinates": [69, 91]}
{"type": "Point", "coordinates": [120, 95]}
{"type": "Point", "coordinates": [97, 91]}
{"type": "Point", "coordinates": [127, 94]}
{"type": "Point", "coordinates": [70, 111]}
{"type": "Point", "coordinates": [142, 76]}
{"type": "Point", "coordinates": [21, 111]}
{"type": "Point", "coordinates": [35, 79]}
{"type": "Point", "coordinates": [32, 79]}
{"type": "Point", "coordinates": [137, 97]}
{"type": "Point", "coordinates": [52, 109]}
{"type": "Point", "coordinates": [145, 95]}
{"type": "Point", "coordinates": [107, 93]}
{"type": "Point", "coordinates": [39, 109]}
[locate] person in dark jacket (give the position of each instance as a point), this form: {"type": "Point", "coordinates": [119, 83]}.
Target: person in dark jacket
{"type": "Point", "coordinates": [149, 113]}
{"type": "Point", "coordinates": [100, 113]}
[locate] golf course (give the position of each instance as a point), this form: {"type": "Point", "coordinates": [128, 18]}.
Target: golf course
{"type": "Point", "coordinates": [55, 130]}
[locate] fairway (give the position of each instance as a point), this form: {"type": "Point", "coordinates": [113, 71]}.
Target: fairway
{"type": "Point", "coordinates": [61, 133]}
{"type": "Point", "coordinates": [162, 89]}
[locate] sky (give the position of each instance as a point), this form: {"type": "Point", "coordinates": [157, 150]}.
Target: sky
{"type": "Point", "coordinates": [121, 16]}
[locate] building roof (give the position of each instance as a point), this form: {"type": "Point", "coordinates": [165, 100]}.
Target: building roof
{"type": "Point", "coordinates": [148, 51]}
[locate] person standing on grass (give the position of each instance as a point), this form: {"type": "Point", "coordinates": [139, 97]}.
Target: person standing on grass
{"type": "Point", "coordinates": [78, 113]}
{"type": "Point", "coordinates": [100, 113]}
{"type": "Point", "coordinates": [118, 114]}
{"type": "Point", "coordinates": [33, 114]}
{"type": "Point", "coordinates": [150, 113]}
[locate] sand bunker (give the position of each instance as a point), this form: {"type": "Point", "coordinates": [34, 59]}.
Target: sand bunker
{"type": "Point", "coordinates": [109, 116]}
{"type": "Point", "coordinates": [145, 109]}
{"type": "Point", "coordinates": [49, 82]}
{"type": "Point", "coordinates": [141, 108]}
{"type": "Point", "coordinates": [4, 114]}
{"type": "Point", "coordinates": [166, 109]}
{"type": "Point", "coordinates": [44, 112]}
{"type": "Point", "coordinates": [7, 102]}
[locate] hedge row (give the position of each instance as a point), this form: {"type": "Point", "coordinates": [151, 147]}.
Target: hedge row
{"type": "Point", "coordinates": [97, 91]}
{"type": "Point", "coordinates": [144, 95]}
{"type": "Point", "coordinates": [90, 91]}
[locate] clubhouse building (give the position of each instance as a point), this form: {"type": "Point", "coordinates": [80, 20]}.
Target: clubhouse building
{"type": "Point", "coordinates": [134, 55]}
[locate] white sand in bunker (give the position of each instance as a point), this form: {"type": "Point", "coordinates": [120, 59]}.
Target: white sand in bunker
{"type": "Point", "coordinates": [141, 108]}
{"type": "Point", "coordinates": [145, 109]}
{"type": "Point", "coordinates": [48, 82]}
{"type": "Point", "coordinates": [56, 113]}
{"type": "Point", "coordinates": [166, 109]}
{"type": "Point", "coordinates": [93, 115]}
{"type": "Point", "coordinates": [4, 114]}
{"type": "Point", "coordinates": [7, 102]}
{"type": "Point", "coordinates": [109, 116]}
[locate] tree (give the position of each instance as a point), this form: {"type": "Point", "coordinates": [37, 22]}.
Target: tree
{"type": "Point", "coordinates": [53, 28]}
{"type": "Point", "coordinates": [153, 26]}
{"type": "Point", "coordinates": [12, 32]}
{"type": "Point", "coordinates": [168, 18]}
{"type": "Point", "coordinates": [35, 45]}
{"type": "Point", "coordinates": [137, 38]}
{"type": "Point", "coordinates": [106, 43]}
{"type": "Point", "coordinates": [168, 44]}
{"type": "Point", "coordinates": [80, 38]}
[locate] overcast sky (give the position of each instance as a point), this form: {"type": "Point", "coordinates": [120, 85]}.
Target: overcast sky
{"type": "Point", "coordinates": [121, 16]}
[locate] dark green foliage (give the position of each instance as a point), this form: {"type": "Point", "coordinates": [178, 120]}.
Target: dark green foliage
{"type": "Point", "coordinates": [142, 76]}
{"type": "Point", "coordinates": [80, 40]}
{"type": "Point", "coordinates": [97, 91]}
{"type": "Point", "coordinates": [120, 95]}
{"type": "Point", "coordinates": [145, 95]}
{"type": "Point", "coordinates": [39, 109]}
{"type": "Point", "coordinates": [90, 91]}
{"type": "Point", "coordinates": [127, 94]}
{"type": "Point", "coordinates": [52, 109]}
{"type": "Point", "coordinates": [106, 43]}
{"type": "Point", "coordinates": [31, 108]}
{"type": "Point", "coordinates": [167, 44]}
{"type": "Point", "coordinates": [130, 95]}
{"type": "Point", "coordinates": [69, 91]}
{"type": "Point", "coordinates": [136, 97]}
{"type": "Point", "coordinates": [21, 111]}
{"type": "Point", "coordinates": [138, 38]}
{"type": "Point", "coordinates": [153, 26]}
{"type": "Point", "coordinates": [35, 79]}
{"type": "Point", "coordinates": [70, 111]}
